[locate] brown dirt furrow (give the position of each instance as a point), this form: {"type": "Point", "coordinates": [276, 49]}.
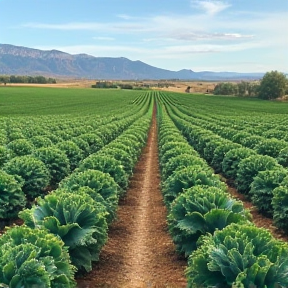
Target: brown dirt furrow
{"type": "Point", "coordinates": [259, 219]}
{"type": "Point", "coordinates": [140, 252]}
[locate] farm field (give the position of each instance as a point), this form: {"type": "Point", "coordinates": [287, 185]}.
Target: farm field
{"type": "Point", "coordinates": [129, 181]}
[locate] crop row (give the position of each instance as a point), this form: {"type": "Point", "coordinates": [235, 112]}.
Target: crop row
{"type": "Point", "coordinates": [264, 145]}
{"type": "Point", "coordinates": [258, 176]}
{"type": "Point", "coordinates": [213, 230]}
{"type": "Point", "coordinates": [42, 165]}
{"type": "Point", "coordinates": [64, 231]}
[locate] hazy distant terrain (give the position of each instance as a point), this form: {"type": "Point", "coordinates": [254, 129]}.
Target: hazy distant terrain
{"type": "Point", "coordinates": [18, 60]}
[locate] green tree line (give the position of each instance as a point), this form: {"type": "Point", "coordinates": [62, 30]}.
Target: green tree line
{"type": "Point", "coordinates": [26, 79]}
{"type": "Point", "coordinates": [273, 85]}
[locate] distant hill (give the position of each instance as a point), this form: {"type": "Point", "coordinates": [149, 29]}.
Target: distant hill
{"type": "Point", "coordinates": [17, 60]}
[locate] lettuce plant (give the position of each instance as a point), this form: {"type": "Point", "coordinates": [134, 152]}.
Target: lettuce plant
{"type": "Point", "coordinates": [101, 183]}
{"type": "Point", "coordinates": [179, 162]}
{"type": "Point", "coordinates": [283, 157]}
{"type": "Point", "coordinates": [34, 258]}
{"type": "Point", "coordinates": [188, 177]}
{"type": "Point", "coordinates": [41, 141]}
{"type": "Point", "coordinates": [75, 219]}
{"type": "Point", "coordinates": [94, 141]}
{"type": "Point", "coordinates": [56, 162]}
{"type": "Point", "coordinates": [177, 150]}
{"type": "Point", "coordinates": [252, 141]}
{"type": "Point", "coordinates": [5, 155]}
{"type": "Point", "coordinates": [31, 172]}
{"type": "Point", "coordinates": [12, 198]}
{"type": "Point", "coordinates": [3, 137]}
{"type": "Point", "coordinates": [72, 151]}
{"type": "Point", "coordinates": [200, 210]}
{"type": "Point", "coordinates": [82, 144]}
{"type": "Point", "coordinates": [219, 154]}
{"type": "Point", "coordinates": [120, 155]}
{"type": "Point", "coordinates": [20, 147]}
{"type": "Point", "coordinates": [249, 167]}
{"type": "Point", "coordinates": [280, 205]}
{"type": "Point", "coordinates": [262, 187]}
{"type": "Point", "coordinates": [210, 147]}
{"type": "Point", "coordinates": [232, 159]}
{"type": "Point", "coordinates": [174, 145]}
{"type": "Point", "coordinates": [274, 133]}
{"type": "Point", "coordinates": [106, 164]}
{"type": "Point", "coordinates": [239, 256]}
{"type": "Point", "coordinates": [238, 137]}
{"type": "Point", "coordinates": [270, 147]}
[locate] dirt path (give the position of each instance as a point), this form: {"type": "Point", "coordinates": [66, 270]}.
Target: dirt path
{"type": "Point", "coordinates": [140, 252]}
{"type": "Point", "coordinates": [259, 219]}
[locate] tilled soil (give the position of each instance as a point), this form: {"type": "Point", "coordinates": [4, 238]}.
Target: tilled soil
{"type": "Point", "coordinates": [258, 218]}
{"type": "Point", "coordinates": [140, 252]}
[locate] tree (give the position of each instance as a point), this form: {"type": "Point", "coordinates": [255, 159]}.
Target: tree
{"type": "Point", "coordinates": [225, 89]}
{"type": "Point", "coordinates": [272, 86]}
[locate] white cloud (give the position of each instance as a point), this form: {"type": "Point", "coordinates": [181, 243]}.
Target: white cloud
{"type": "Point", "coordinates": [210, 7]}
{"type": "Point", "coordinates": [194, 36]}
{"type": "Point", "coordinates": [103, 38]}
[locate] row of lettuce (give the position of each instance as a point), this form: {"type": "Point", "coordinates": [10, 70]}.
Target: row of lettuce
{"type": "Point", "coordinates": [47, 151]}
{"type": "Point", "coordinates": [260, 175]}
{"type": "Point", "coordinates": [214, 230]}
{"type": "Point", "coordinates": [267, 138]}
{"type": "Point", "coordinates": [64, 231]}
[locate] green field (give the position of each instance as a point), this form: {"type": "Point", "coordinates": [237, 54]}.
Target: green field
{"type": "Point", "coordinates": [33, 101]}
{"type": "Point", "coordinates": [67, 156]}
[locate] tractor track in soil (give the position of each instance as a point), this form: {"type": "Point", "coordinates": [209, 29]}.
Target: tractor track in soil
{"type": "Point", "coordinates": [140, 252]}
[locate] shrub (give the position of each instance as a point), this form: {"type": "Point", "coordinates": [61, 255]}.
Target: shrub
{"type": "Point", "coordinates": [56, 162]}
{"type": "Point", "coordinates": [239, 256]}
{"type": "Point", "coordinates": [31, 172]}
{"type": "Point", "coordinates": [20, 147]}
{"type": "Point", "coordinates": [262, 187]}
{"type": "Point", "coordinates": [188, 177]}
{"type": "Point", "coordinates": [12, 199]}
{"type": "Point", "coordinates": [76, 220]}
{"type": "Point", "coordinates": [200, 210]}
{"type": "Point", "coordinates": [34, 258]}
{"type": "Point", "coordinates": [98, 181]}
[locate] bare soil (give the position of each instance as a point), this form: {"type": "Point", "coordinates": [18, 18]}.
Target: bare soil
{"type": "Point", "coordinates": [258, 218]}
{"type": "Point", "coordinates": [140, 252]}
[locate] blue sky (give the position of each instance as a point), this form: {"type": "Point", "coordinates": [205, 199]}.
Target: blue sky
{"type": "Point", "coordinates": [228, 35]}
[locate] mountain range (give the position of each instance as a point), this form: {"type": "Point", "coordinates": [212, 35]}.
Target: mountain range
{"type": "Point", "coordinates": [17, 60]}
